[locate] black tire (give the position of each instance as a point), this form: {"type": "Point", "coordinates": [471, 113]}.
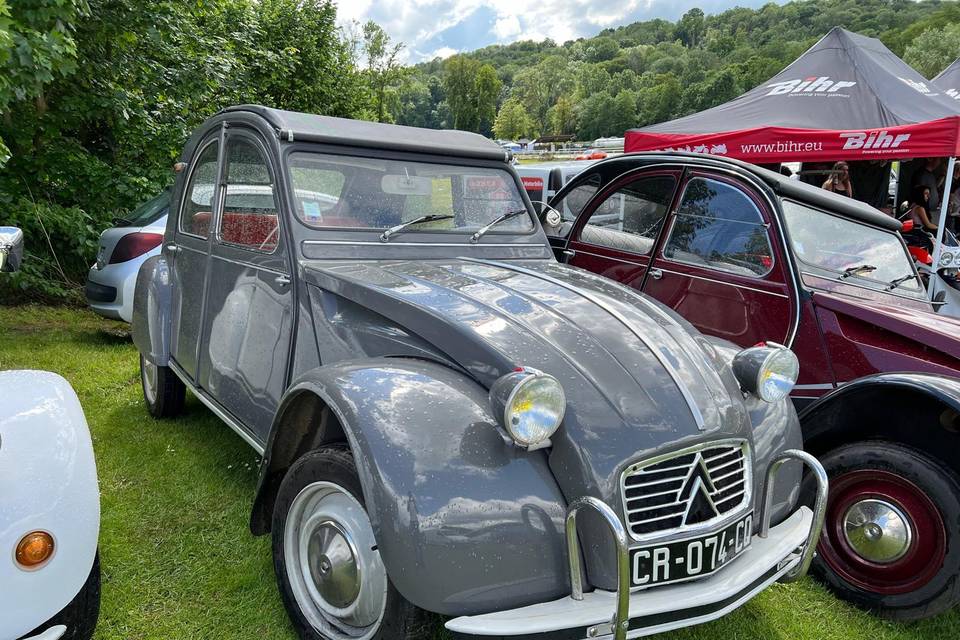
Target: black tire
{"type": "Point", "coordinates": [401, 620]}
{"type": "Point", "coordinates": [80, 615]}
{"type": "Point", "coordinates": [923, 581]}
{"type": "Point", "coordinates": [166, 396]}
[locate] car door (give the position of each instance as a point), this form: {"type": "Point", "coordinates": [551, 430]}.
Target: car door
{"type": "Point", "coordinates": [616, 234]}
{"type": "Point", "coordinates": [189, 252]}
{"type": "Point", "coordinates": [718, 265]}
{"type": "Point", "coordinates": [249, 306]}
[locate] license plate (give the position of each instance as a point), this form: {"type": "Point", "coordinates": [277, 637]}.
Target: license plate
{"type": "Point", "coordinates": [690, 558]}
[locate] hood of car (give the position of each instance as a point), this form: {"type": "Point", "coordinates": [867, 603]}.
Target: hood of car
{"type": "Point", "coordinates": [901, 338]}
{"type": "Point", "coordinates": [637, 379]}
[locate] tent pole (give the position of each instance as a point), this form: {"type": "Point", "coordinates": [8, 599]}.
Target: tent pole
{"type": "Point", "coordinates": [942, 222]}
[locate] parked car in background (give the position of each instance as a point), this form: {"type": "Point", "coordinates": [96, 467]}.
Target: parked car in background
{"type": "Point", "coordinates": [49, 502]}
{"type": "Point", "coordinates": [443, 411]}
{"type": "Point", "coordinates": [542, 180]}
{"type": "Point", "coordinates": [749, 255]}
{"type": "Point", "coordinates": [123, 248]}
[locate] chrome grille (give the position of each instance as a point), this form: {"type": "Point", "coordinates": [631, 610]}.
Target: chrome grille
{"type": "Point", "coordinates": [688, 489]}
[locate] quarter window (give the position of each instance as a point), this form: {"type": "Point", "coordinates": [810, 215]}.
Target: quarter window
{"type": "Point", "coordinates": [197, 208]}
{"type": "Point", "coordinates": [249, 217]}
{"type": "Point", "coordinates": [718, 226]}
{"type": "Point", "coordinates": [630, 218]}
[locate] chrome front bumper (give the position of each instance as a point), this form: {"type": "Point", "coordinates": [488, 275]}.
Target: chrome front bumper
{"type": "Point", "coordinates": [783, 553]}
{"type": "Point", "coordinates": [53, 633]}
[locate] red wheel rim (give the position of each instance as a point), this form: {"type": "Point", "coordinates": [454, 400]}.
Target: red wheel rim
{"type": "Point", "coordinates": [922, 556]}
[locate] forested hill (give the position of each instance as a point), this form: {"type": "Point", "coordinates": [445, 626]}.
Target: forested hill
{"type": "Point", "coordinates": [656, 70]}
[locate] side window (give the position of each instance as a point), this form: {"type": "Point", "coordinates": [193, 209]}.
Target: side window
{"type": "Point", "coordinates": [718, 226]}
{"type": "Point", "coordinates": [630, 218]}
{"type": "Point", "coordinates": [249, 217]}
{"type": "Point", "coordinates": [197, 209]}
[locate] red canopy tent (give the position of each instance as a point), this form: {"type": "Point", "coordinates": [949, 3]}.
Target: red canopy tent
{"type": "Point", "coordinates": [847, 98]}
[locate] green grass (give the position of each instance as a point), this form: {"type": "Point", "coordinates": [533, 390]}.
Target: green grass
{"type": "Point", "coordinates": [178, 559]}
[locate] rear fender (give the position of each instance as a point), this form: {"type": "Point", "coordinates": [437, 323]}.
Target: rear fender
{"type": "Point", "coordinates": [918, 409]}
{"type": "Point", "coordinates": [151, 310]}
{"type": "Point", "coordinates": [449, 496]}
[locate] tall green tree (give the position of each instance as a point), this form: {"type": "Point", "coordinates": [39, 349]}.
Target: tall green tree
{"type": "Point", "coordinates": [459, 82]}
{"type": "Point", "coordinates": [383, 67]}
{"type": "Point", "coordinates": [513, 122]}
{"type": "Point", "coordinates": [487, 87]}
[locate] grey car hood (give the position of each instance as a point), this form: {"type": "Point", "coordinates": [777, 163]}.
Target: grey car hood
{"type": "Point", "coordinates": [623, 402]}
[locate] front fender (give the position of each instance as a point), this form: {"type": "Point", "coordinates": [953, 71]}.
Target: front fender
{"type": "Point", "coordinates": [151, 310]}
{"type": "Point", "coordinates": [449, 496]}
{"type": "Point", "coordinates": [48, 482]}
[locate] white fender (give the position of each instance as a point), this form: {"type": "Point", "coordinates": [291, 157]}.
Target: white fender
{"type": "Point", "coordinates": [48, 482]}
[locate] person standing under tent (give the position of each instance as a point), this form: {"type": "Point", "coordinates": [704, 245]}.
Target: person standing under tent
{"type": "Point", "coordinates": [927, 177]}
{"type": "Point", "coordinates": [839, 180]}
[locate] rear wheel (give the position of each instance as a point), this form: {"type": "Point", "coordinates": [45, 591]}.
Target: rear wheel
{"type": "Point", "coordinates": [328, 566]}
{"type": "Point", "coordinates": [891, 540]}
{"type": "Point", "coordinates": [163, 391]}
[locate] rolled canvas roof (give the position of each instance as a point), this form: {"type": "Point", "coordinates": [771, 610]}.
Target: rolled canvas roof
{"type": "Point", "coordinates": [848, 97]}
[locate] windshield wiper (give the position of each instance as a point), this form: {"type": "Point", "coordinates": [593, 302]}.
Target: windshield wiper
{"type": "Point", "coordinates": [433, 217]}
{"type": "Point", "coordinates": [896, 282]}
{"type": "Point", "coordinates": [857, 270]}
{"type": "Point", "coordinates": [501, 218]}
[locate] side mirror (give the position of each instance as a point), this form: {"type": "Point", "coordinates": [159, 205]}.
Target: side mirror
{"type": "Point", "coordinates": [11, 249]}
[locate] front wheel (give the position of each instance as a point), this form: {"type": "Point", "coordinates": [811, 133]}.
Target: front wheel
{"type": "Point", "coordinates": [332, 580]}
{"type": "Point", "coordinates": [891, 540]}
{"type": "Point", "coordinates": [163, 391]}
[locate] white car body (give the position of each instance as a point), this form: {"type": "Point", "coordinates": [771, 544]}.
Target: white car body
{"type": "Point", "coordinates": [48, 482]}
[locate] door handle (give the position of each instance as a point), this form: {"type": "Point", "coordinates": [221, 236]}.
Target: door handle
{"type": "Point", "coordinates": [282, 280]}
{"type": "Point", "coordinates": [656, 274]}
{"type": "Point", "coordinates": [172, 247]}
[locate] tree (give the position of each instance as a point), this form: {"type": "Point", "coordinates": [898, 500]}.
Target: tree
{"type": "Point", "coordinates": [691, 27]}
{"type": "Point", "coordinates": [383, 71]}
{"type": "Point", "coordinates": [562, 117]}
{"type": "Point", "coordinates": [486, 90]}
{"type": "Point", "coordinates": [459, 82]}
{"type": "Point", "coordinates": [37, 46]}
{"type": "Point", "coordinates": [934, 50]}
{"type": "Point", "coordinates": [513, 121]}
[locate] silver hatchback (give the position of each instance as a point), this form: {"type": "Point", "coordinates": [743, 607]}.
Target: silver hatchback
{"type": "Point", "coordinates": [123, 248]}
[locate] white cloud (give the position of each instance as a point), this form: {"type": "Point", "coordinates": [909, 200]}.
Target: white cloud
{"type": "Point", "coordinates": [442, 52]}
{"type": "Point", "coordinates": [428, 27]}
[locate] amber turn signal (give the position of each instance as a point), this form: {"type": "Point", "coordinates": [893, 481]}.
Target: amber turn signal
{"type": "Point", "coordinates": [34, 549]}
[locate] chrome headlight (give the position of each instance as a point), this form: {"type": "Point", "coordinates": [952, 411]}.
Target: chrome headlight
{"type": "Point", "coordinates": [531, 403]}
{"type": "Point", "coordinates": [768, 370]}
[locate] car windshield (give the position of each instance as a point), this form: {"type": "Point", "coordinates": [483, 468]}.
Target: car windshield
{"type": "Point", "coordinates": [150, 211]}
{"type": "Point", "coordinates": [367, 193]}
{"type": "Point", "coordinates": [848, 249]}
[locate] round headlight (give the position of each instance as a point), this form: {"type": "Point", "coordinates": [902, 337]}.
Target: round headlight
{"type": "Point", "coordinates": [768, 370]}
{"type": "Point", "coordinates": [532, 405]}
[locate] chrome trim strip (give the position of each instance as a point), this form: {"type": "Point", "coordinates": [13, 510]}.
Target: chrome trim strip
{"type": "Point", "coordinates": [664, 361]}
{"type": "Point", "coordinates": [813, 386]}
{"type": "Point", "coordinates": [599, 255]}
{"type": "Point", "coordinates": [220, 413]}
{"type": "Point", "coordinates": [421, 244]}
{"type": "Point", "coordinates": [729, 284]}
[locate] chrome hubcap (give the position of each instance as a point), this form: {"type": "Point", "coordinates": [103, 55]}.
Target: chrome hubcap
{"type": "Point", "coordinates": [333, 564]}
{"type": "Point", "coordinates": [335, 572]}
{"type": "Point", "coordinates": [877, 531]}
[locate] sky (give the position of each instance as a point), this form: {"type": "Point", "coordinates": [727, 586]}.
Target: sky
{"type": "Point", "coordinates": [431, 28]}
